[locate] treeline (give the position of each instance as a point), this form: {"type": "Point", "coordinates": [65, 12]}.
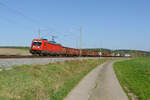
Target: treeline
{"type": "Point", "coordinates": [134, 53]}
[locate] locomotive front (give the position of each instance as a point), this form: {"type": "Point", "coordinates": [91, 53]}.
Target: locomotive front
{"type": "Point", "coordinates": [36, 46]}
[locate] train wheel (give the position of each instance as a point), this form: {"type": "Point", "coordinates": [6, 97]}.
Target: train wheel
{"type": "Point", "coordinates": [44, 54]}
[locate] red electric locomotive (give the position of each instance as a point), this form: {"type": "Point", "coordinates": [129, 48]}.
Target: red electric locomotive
{"type": "Point", "coordinates": [44, 47]}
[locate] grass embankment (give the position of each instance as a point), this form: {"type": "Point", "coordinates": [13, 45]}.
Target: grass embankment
{"type": "Point", "coordinates": [44, 82]}
{"type": "Point", "coordinates": [134, 76]}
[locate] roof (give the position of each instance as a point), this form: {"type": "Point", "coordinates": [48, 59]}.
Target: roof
{"type": "Point", "coordinates": [53, 42]}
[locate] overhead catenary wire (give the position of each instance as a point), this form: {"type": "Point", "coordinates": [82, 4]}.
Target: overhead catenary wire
{"type": "Point", "coordinates": [55, 33]}
{"type": "Point", "coordinates": [18, 12]}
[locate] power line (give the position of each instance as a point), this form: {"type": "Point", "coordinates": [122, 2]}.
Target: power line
{"type": "Point", "coordinates": [80, 41]}
{"type": "Point", "coordinates": [39, 31]}
{"type": "Point", "coordinates": [69, 35]}
{"type": "Point", "coordinates": [18, 12]}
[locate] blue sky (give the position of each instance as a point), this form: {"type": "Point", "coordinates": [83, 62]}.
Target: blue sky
{"type": "Point", "coordinates": [113, 24]}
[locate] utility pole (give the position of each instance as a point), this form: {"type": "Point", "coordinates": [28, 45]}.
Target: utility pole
{"type": "Point", "coordinates": [76, 44]}
{"type": "Point", "coordinates": [53, 38]}
{"type": "Point", "coordinates": [80, 41]}
{"type": "Point", "coordinates": [39, 31]}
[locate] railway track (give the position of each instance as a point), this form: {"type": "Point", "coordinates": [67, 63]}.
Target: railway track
{"type": "Point", "coordinates": [31, 56]}
{"type": "Point", "coordinates": [25, 56]}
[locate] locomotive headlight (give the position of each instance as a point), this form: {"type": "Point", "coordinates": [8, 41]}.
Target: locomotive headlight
{"type": "Point", "coordinates": [39, 47]}
{"type": "Point", "coordinates": [33, 46]}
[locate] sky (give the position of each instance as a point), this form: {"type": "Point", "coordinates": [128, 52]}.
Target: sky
{"type": "Point", "coordinates": [112, 24]}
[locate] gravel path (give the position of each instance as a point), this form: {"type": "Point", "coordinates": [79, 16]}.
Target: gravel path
{"type": "Point", "coordinates": [100, 84]}
{"type": "Point", "coordinates": [7, 63]}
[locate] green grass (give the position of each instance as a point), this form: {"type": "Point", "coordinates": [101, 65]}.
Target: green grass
{"type": "Point", "coordinates": [44, 82]}
{"type": "Point", "coordinates": [135, 74]}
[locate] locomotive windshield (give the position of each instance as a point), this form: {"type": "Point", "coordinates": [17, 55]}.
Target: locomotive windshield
{"type": "Point", "coordinates": [38, 43]}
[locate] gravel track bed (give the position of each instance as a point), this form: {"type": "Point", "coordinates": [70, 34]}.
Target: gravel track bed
{"type": "Point", "coordinates": [8, 63]}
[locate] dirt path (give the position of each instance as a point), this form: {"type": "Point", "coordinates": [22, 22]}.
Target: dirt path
{"type": "Point", "coordinates": [100, 84]}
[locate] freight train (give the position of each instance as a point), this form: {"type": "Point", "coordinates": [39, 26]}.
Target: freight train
{"type": "Point", "coordinates": [43, 47]}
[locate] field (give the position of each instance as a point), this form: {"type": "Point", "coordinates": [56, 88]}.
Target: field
{"type": "Point", "coordinates": [14, 51]}
{"type": "Point", "coordinates": [44, 82]}
{"type": "Point", "coordinates": [134, 76]}
{"type": "Point", "coordinates": [15, 47]}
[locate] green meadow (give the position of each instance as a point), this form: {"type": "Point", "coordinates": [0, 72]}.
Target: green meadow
{"type": "Point", "coordinates": [134, 76]}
